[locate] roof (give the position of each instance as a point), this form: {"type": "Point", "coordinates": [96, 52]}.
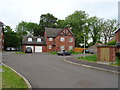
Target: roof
{"type": "Point", "coordinates": [117, 30]}
{"type": "Point", "coordinates": [34, 42]}
{"type": "Point", "coordinates": [1, 24]}
{"type": "Point", "coordinates": [52, 32]}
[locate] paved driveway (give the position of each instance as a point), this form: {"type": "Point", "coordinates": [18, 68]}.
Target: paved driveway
{"type": "Point", "coordinates": [50, 71]}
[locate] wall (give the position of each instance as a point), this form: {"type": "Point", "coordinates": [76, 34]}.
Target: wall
{"type": "Point", "coordinates": [106, 53]}
{"type": "Point", "coordinates": [117, 34]}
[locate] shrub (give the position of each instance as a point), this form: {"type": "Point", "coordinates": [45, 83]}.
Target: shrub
{"type": "Point", "coordinates": [118, 55]}
{"type": "Point", "coordinates": [111, 43]}
{"type": "Point", "coordinates": [72, 51]}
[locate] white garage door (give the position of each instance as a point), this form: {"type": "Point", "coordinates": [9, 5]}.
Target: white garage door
{"type": "Point", "coordinates": [38, 48]}
{"type": "Point", "coordinates": [31, 47]}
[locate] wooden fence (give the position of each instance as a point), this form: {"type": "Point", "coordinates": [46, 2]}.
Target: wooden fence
{"type": "Point", "coordinates": [79, 49]}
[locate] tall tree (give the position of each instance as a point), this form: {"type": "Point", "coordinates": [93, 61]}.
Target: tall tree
{"type": "Point", "coordinates": [11, 39]}
{"type": "Point", "coordinates": [78, 22]}
{"type": "Point", "coordinates": [94, 24]}
{"type": "Point", "coordinates": [47, 20]}
{"type": "Point", "coordinates": [108, 28]}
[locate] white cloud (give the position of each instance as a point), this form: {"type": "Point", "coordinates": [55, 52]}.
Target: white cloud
{"type": "Point", "coordinates": [14, 11]}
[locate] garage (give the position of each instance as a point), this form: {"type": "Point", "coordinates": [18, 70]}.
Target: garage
{"type": "Point", "coordinates": [38, 48]}
{"type": "Point", "coordinates": [31, 47]}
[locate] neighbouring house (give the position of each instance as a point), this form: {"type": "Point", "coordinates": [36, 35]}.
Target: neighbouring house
{"type": "Point", "coordinates": [108, 53]}
{"type": "Point", "coordinates": [94, 47]}
{"type": "Point", "coordinates": [1, 36]}
{"type": "Point", "coordinates": [59, 39]}
{"type": "Point", "coordinates": [117, 37]}
{"type": "Point", "coordinates": [37, 43]}
{"type": "Point", "coordinates": [54, 40]}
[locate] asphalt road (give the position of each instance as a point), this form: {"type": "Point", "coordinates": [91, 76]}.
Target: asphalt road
{"type": "Point", "coordinates": [51, 71]}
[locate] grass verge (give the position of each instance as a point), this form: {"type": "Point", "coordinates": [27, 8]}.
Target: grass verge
{"type": "Point", "coordinates": [11, 80]}
{"type": "Point", "coordinates": [93, 58]}
{"type": "Point", "coordinates": [20, 52]}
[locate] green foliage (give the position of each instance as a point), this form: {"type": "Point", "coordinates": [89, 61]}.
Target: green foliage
{"type": "Point", "coordinates": [118, 55]}
{"type": "Point", "coordinates": [11, 39]}
{"type": "Point", "coordinates": [92, 58]}
{"type": "Point", "coordinates": [11, 80]}
{"type": "Point", "coordinates": [111, 43]}
{"type": "Point", "coordinates": [72, 51]}
{"type": "Point", "coordinates": [78, 22]}
{"type": "Point", "coordinates": [47, 20]}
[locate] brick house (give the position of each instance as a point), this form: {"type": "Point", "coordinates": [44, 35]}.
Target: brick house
{"type": "Point", "coordinates": [37, 43]}
{"type": "Point", "coordinates": [59, 39]}
{"type": "Point", "coordinates": [1, 36]}
{"type": "Point", "coordinates": [117, 38]}
{"type": "Point", "coordinates": [54, 40]}
{"type": "Point", "coordinates": [117, 35]}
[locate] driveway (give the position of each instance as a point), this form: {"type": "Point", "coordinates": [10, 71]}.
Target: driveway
{"type": "Point", "coordinates": [50, 71]}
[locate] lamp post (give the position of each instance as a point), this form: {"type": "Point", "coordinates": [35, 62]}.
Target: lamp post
{"type": "Point", "coordinates": [84, 46]}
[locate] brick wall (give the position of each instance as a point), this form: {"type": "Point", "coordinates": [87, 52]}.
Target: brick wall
{"type": "Point", "coordinates": [117, 35]}
{"type": "Point", "coordinates": [56, 41]}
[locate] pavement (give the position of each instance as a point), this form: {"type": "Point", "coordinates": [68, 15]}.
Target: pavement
{"type": "Point", "coordinates": [43, 70]}
{"type": "Point", "coordinates": [98, 65]}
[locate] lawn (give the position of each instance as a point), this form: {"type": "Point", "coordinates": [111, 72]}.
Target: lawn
{"type": "Point", "coordinates": [19, 52]}
{"type": "Point", "coordinates": [93, 58]}
{"type": "Point", "coordinates": [11, 80]}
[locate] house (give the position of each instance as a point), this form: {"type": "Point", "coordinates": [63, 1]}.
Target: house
{"type": "Point", "coordinates": [1, 36]}
{"type": "Point", "coordinates": [117, 35]}
{"type": "Point", "coordinates": [59, 39]}
{"type": "Point", "coordinates": [94, 47]}
{"type": "Point", "coordinates": [37, 43]}
{"type": "Point", "coordinates": [54, 40]}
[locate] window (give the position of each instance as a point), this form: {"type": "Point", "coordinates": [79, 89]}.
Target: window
{"type": "Point", "coordinates": [29, 39]}
{"type": "Point", "coordinates": [62, 47]}
{"type": "Point", "coordinates": [38, 39]}
{"type": "Point", "coordinates": [70, 39]}
{"type": "Point", "coordinates": [50, 39]}
{"type": "Point", "coordinates": [62, 39]}
{"type": "Point", "coordinates": [70, 47]}
{"type": "Point", "coordinates": [49, 46]}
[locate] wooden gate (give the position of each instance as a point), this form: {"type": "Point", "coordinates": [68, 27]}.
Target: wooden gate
{"type": "Point", "coordinates": [104, 54]}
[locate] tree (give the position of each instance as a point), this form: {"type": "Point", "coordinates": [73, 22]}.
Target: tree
{"type": "Point", "coordinates": [47, 20]}
{"type": "Point", "coordinates": [78, 22]}
{"type": "Point", "coordinates": [108, 29]}
{"type": "Point", "coordinates": [94, 24]}
{"type": "Point", "coordinates": [61, 24]}
{"type": "Point", "coordinates": [11, 39]}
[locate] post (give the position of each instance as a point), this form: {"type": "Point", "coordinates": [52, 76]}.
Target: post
{"type": "Point", "coordinates": [84, 47]}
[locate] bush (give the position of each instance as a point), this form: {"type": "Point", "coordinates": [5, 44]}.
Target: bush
{"type": "Point", "coordinates": [118, 55]}
{"type": "Point", "coordinates": [111, 43]}
{"type": "Point", "coordinates": [72, 51]}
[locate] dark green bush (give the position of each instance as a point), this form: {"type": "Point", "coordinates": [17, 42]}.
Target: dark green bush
{"type": "Point", "coordinates": [72, 51]}
{"type": "Point", "coordinates": [118, 55]}
{"type": "Point", "coordinates": [111, 43]}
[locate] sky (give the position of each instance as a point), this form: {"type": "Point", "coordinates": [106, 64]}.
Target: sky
{"type": "Point", "coordinates": [14, 11]}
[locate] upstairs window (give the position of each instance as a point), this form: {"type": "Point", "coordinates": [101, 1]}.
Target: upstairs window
{"type": "Point", "coordinates": [62, 39]}
{"type": "Point", "coordinates": [70, 39]}
{"type": "Point", "coordinates": [50, 39]}
{"type": "Point", "coordinates": [38, 39]}
{"type": "Point", "coordinates": [29, 39]}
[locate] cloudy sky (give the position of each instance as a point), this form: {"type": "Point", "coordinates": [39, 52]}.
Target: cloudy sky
{"type": "Point", "coordinates": [14, 11]}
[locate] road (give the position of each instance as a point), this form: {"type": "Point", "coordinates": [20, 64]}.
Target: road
{"type": "Point", "coordinates": [51, 71]}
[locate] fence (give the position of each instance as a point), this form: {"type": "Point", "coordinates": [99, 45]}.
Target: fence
{"type": "Point", "coordinates": [79, 49]}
